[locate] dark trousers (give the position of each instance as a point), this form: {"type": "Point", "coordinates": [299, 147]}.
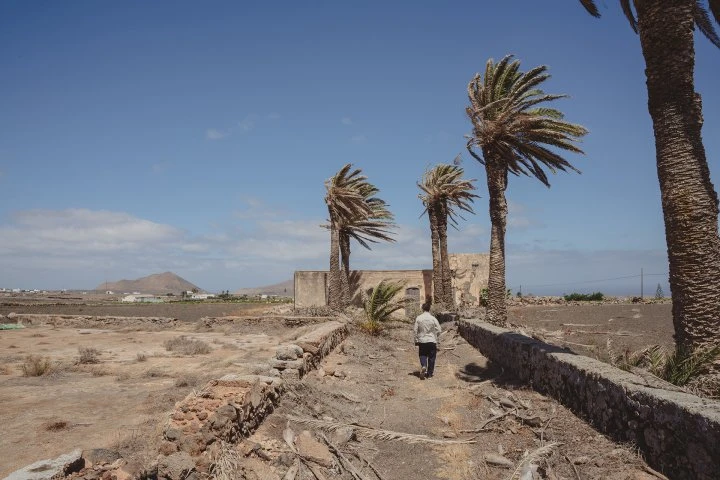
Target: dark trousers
{"type": "Point", "coordinates": [428, 352]}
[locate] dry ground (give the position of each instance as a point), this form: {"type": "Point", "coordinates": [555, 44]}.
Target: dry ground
{"type": "Point", "coordinates": [120, 402]}
{"type": "Point", "coordinates": [586, 329]}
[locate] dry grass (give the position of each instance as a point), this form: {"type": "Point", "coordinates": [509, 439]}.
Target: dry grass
{"type": "Point", "coordinates": [55, 426]}
{"type": "Point", "coordinates": [141, 357]}
{"type": "Point", "coordinates": [6, 370]}
{"type": "Point", "coordinates": [186, 346]}
{"type": "Point", "coordinates": [36, 366]}
{"type": "Point", "coordinates": [88, 355]}
{"type": "Point", "coordinates": [187, 380]}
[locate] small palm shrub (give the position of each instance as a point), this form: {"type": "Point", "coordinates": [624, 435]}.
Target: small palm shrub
{"type": "Point", "coordinates": [380, 304]}
{"type": "Point", "coordinates": [673, 366]}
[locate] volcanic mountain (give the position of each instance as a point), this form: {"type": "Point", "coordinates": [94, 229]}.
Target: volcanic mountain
{"type": "Point", "coordinates": [159, 283]}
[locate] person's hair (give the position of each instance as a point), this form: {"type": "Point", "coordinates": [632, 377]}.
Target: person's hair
{"type": "Point", "coordinates": [426, 307]}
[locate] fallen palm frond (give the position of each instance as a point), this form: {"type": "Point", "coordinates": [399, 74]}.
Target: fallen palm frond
{"type": "Point", "coordinates": [226, 464]}
{"type": "Point", "coordinates": [536, 454]}
{"type": "Point", "coordinates": [373, 433]}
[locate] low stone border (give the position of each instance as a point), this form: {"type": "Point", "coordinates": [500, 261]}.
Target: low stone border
{"type": "Point", "coordinates": [89, 321]}
{"type": "Point", "coordinates": [230, 408]}
{"type": "Point", "coordinates": [678, 433]}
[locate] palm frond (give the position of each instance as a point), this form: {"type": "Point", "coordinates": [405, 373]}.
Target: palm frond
{"type": "Point", "coordinates": [373, 433]}
{"type": "Point", "coordinates": [704, 24]}
{"type": "Point", "coordinates": [627, 10]}
{"type": "Point", "coordinates": [591, 7]}
{"type": "Point", "coordinates": [381, 302]}
{"type": "Point", "coordinates": [535, 455]}
{"type": "Point", "coordinates": [715, 9]}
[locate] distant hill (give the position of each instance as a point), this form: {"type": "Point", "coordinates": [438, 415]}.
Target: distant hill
{"type": "Point", "coordinates": [285, 289]}
{"type": "Point", "coordinates": [159, 283]}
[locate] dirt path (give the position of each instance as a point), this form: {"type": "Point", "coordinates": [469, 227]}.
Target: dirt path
{"type": "Point", "coordinates": [378, 387]}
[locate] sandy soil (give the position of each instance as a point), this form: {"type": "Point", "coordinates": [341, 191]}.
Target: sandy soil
{"type": "Point", "coordinates": [381, 391]}
{"type": "Point", "coordinates": [586, 329]}
{"type": "Point", "coordinates": [120, 402]}
{"type": "Point", "coordinates": [115, 403]}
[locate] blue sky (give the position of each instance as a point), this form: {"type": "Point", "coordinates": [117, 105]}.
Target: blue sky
{"type": "Point", "coordinates": [195, 137]}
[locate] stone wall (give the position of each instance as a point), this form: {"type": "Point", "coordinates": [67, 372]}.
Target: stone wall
{"type": "Point", "coordinates": [678, 433]}
{"type": "Point", "coordinates": [230, 408]}
{"type": "Point", "coordinates": [89, 321]}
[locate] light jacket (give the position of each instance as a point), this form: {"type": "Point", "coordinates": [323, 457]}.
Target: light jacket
{"type": "Point", "coordinates": [427, 328]}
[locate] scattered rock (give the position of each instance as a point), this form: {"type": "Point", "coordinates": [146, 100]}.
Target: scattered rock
{"type": "Point", "coordinates": [342, 436]}
{"type": "Point", "coordinates": [98, 456]}
{"type": "Point", "coordinates": [47, 469]}
{"type": "Point", "coordinates": [176, 466]}
{"type": "Point", "coordinates": [497, 460]}
{"type": "Point", "coordinates": [288, 352]}
{"type": "Point", "coordinates": [313, 450]}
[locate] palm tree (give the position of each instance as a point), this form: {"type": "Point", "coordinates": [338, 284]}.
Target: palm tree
{"type": "Point", "coordinates": [344, 200]}
{"type": "Point", "coordinates": [442, 191]}
{"type": "Point", "coordinates": [515, 135]}
{"type": "Point", "coordinates": [365, 229]}
{"type": "Point", "coordinates": [689, 200]}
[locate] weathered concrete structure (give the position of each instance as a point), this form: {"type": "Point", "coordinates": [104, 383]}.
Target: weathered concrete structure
{"type": "Point", "coordinates": [678, 433]}
{"type": "Point", "coordinates": [469, 277]}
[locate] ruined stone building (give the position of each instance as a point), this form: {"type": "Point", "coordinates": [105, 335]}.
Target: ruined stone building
{"type": "Point", "coordinates": [469, 277]}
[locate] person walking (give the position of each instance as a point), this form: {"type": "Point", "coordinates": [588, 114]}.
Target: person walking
{"type": "Point", "coordinates": [427, 331]}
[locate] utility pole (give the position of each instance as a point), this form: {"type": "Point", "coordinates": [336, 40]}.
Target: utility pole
{"type": "Point", "coordinates": [641, 283]}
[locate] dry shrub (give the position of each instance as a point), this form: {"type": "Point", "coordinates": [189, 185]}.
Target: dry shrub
{"type": "Point", "coordinates": [88, 355]}
{"type": "Point", "coordinates": [36, 366]}
{"type": "Point", "coordinates": [371, 327]}
{"type": "Point", "coordinates": [188, 380]}
{"type": "Point", "coordinates": [186, 346]}
{"type": "Point", "coordinates": [55, 426]}
{"type": "Point", "coordinates": [141, 357]}
{"type": "Point", "coordinates": [5, 370]}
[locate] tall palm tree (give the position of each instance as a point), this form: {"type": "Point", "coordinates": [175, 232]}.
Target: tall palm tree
{"type": "Point", "coordinates": [344, 199]}
{"type": "Point", "coordinates": [365, 228]}
{"type": "Point", "coordinates": [515, 135]}
{"type": "Point", "coordinates": [443, 190]}
{"type": "Point", "coordinates": [689, 200]}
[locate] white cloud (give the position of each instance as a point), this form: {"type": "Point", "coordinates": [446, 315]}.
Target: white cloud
{"type": "Point", "coordinates": [346, 121]}
{"type": "Point", "coordinates": [213, 134]}
{"type": "Point", "coordinates": [247, 123]}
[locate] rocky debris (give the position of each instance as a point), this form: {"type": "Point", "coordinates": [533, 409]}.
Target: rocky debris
{"type": "Point", "coordinates": [294, 360]}
{"type": "Point", "coordinates": [52, 468]}
{"type": "Point", "coordinates": [311, 449]}
{"type": "Point", "coordinates": [90, 321]}
{"type": "Point", "coordinates": [98, 456]}
{"type": "Point", "coordinates": [179, 465]}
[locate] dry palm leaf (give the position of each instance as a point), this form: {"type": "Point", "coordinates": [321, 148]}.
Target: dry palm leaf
{"type": "Point", "coordinates": [374, 433]}
{"type": "Point", "coordinates": [534, 455]}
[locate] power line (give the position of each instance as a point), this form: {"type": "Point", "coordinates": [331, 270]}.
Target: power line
{"type": "Point", "coordinates": [597, 281]}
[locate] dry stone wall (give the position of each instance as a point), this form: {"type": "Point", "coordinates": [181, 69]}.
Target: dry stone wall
{"type": "Point", "coordinates": [230, 408]}
{"type": "Point", "coordinates": [678, 433]}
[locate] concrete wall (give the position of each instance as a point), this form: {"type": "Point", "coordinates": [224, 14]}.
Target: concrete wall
{"type": "Point", "coordinates": [678, 433]}
{"type": "Point", "coordinates": [469, 277]}
{"type": "Point", "coordinates": [311, 286]}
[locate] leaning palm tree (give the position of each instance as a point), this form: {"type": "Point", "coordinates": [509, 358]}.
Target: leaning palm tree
{"type": "Point", "coordinates": [344, 200]}
{"type": "Point", "coordinates": [515, 135]}
{"type": "Point", "coordinates": [689, 200]}
{"type": "Point", "coordinates": [443, 190]}
{"type": "Point", "coordinates": [366, 228]}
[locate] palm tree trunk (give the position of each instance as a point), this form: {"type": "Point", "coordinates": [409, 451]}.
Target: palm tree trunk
{"type": "Point", "coordinates": [345, 272]}
{"type": "Point", "coordinates": [437, 284]}
{"type": "Point", "coordinates": [689, 200]}
{"type": "Point", "coordinates": [497, 183]}
{"type": "Point", "coordinates": [447, 293]}
{"type": "Point", "coordinates": [334, 276]}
